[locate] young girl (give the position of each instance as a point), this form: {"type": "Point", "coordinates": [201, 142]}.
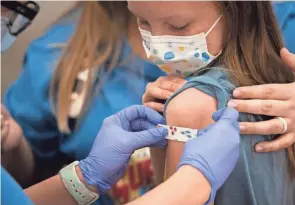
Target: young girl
{"type": "Point", "coordinates": [218, 47]}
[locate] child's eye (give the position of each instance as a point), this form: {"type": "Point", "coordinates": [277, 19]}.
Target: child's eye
{"type": "Point", "coordinates": [181, 28]}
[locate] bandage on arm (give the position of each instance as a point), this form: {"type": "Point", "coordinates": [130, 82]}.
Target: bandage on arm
{"type": "Point", "coordinates": [190, 109]}
{"type": "Point", "coordinates": [158, 155]}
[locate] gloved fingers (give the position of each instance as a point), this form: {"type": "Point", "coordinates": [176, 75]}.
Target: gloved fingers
{"type": "Point", "coordinates": [203, 131]}
{"type": "Point", "coordinates": [222, 116]}
{"type": "Point", "coordinates": [226, 113]}
{"type": "Point", "coordinates": [142, 112]}
{"type": "Point", "coordinates": [120, 173]}
{"type": "Point", "coordinates": [149, 137]}
{"type": "Point", "coordinates": [139, 125]}
{"type": "Point", "coordinates": [223, 128]}
{"type": "Point", "coordinates": [224, 131]}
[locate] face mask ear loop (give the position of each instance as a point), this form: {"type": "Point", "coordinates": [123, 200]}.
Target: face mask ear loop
{"type": "Point", "coordinates": [145, 32]}
{"type": "Point", "coordinates": [210, 29]}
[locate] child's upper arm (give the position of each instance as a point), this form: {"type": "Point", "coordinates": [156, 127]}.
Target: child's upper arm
{"type": "Point", "coordinates": [191, 109]}
{"type": "Point", "coordinates": [256, 175]}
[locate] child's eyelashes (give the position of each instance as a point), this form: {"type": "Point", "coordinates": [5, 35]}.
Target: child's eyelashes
{"type": "Point", "coordinates": [170, 28]}
{"type": "Point", "coordinates": [179, 28]}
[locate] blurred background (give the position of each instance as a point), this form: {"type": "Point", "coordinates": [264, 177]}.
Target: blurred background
{"type": "Point", "coordinates": [11, 60]}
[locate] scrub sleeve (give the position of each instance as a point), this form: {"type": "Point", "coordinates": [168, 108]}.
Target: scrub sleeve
{"type": "Point", "coordinates": [11, 192]}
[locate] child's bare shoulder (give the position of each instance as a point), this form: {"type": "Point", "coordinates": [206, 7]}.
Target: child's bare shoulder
{"type": "Point", "coordinates": [210, 89]}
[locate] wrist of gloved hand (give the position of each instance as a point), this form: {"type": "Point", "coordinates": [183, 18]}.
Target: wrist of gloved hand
{"type": "Point", "coordinates": [215, 151]}
{"type": "Point", "coordinates": [81, 177]}
{"type": "Point", "coordinates": [201, 165]}
{"type": "Point", "coordinates": [92, 176]}
{"type": "Point", "coordinates": [120, 135]}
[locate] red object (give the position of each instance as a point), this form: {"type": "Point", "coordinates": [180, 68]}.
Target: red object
{"type": "Point", "coordinates": [138, 175]}
{"type": "Point", "coordinates": [172, 133]}
{"type": "Point", "coordinates": [122, 192]}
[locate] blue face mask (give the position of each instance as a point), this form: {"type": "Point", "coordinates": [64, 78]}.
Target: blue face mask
{"type": "Point", "coordinates": [6, 38]}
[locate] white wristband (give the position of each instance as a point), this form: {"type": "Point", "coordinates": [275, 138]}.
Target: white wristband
{"type": "Point", "coordinates": [75, 187]}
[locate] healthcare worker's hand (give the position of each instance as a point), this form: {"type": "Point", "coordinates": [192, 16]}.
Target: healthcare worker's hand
{"type": "Point", "coordinates": [216, 149]}
{"type": "Point", "coordinates": [11, 132]}
{"type": "Point", "coordinates": [273, 100]}
{"type": "Point", "coordinates": [120, 135]}
{"type": "Point", "coordinates": [161, 89]}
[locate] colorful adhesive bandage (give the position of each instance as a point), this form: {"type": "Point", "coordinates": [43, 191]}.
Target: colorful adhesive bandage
{"type": "Point", "coordinates": [180, 134]}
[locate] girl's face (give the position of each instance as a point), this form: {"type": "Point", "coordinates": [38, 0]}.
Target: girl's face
{"type": "Point", "coordinates": [180, 19]}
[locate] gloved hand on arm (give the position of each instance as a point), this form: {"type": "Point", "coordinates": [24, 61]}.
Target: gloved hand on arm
{"type": "Point", "coordinates": [212, 156]}
{"type": "Point", "coordinates": [121, 134]}
{"type": "Point", "coordinates": [214, 152]}
{"type": "Point", "coordinates": [216, 149]}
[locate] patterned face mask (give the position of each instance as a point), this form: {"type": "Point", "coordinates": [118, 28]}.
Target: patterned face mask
{"type": "Point", "coordinates": [178, 55]}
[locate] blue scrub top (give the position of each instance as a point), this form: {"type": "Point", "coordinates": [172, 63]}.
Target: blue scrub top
{"type": "Point", "coordinates": [285, 12]}
{"type": "Point", "coordinates": [11, 192]}
{"type": "Point", "coordinates": [27, 99]}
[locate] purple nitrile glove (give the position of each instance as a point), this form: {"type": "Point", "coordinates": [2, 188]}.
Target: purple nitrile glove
{"type": "Point", "coordinates": [120, 135]}
{"type": "Point", "coordinates": [216, 149]}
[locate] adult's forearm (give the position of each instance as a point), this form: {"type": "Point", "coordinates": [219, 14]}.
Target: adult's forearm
{"type": "Point", "coordinates": [53, 191]}
{"type": "Point", "coordinates": [187, 186]}
{"type": "Point", "coordinates": [19, 162]}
